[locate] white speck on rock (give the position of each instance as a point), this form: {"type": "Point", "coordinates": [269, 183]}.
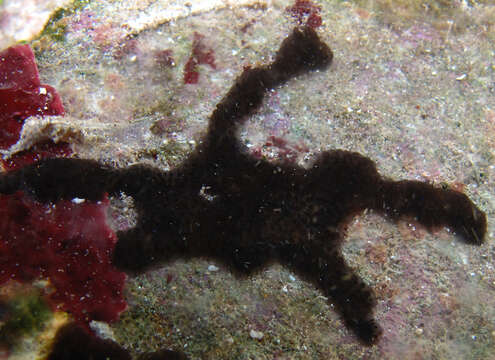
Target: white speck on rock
{"type": "Point", "coordinates": [258, 335]}
{"type": "Point", "coordinates": [102, 330]}
{"type": "Point", "coordinates": [213, 268]}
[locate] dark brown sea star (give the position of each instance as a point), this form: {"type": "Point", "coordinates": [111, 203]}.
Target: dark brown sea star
{"type": "Point", "coordinates": [256, 212]}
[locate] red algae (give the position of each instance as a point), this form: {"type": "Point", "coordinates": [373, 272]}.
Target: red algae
{"type": "Point", "coordinates": [164, 58]}
{"type": "Point", "coordinates": [306, 10]}
{"type": "Point", "coordinates": [67, 242]}
{"type": "Point", "coordinates": [285, 151]}
{"type": "Point", "coordinates": [200, 55]}
{"type": "Point", "coordinates": [21, 93]}
{"type": "Point", "coordinates": [38, 152]}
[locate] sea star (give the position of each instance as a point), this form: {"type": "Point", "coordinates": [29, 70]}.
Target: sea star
{"type": "Point", "coordinates": [224, 204]}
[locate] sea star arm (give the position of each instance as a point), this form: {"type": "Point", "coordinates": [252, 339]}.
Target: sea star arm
{"type": "Point", "coordinates": [350, 182]}
{"type": "Point", "coordinates": [60, 178]}
{"type": "Point", "coordinates": [325, 267]}
{"type": "Point", "coordinates": [50, 180]}
{"type": "Point", "coordinates": [302, 51]}
{"type": "Point", "coordinates": [306, 210]}
{"type": "Point", "coordinates": [433, 207]}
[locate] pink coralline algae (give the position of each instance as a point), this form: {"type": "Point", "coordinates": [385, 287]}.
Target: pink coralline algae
{"type": "Point", "coordinates": [200, 55]}
{"type": "Point", "coordinates": [67, 242]}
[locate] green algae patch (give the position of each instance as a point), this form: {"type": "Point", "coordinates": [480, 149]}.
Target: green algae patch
{"type": "Point", "coordinates": [28, 314]}
{"type": "Point", "coordinates": [56, 27]}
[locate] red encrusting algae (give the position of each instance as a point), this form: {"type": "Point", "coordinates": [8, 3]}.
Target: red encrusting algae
{"type": "Point", "coordinates": [285, 151]}
{"type": "Point", "coordinates": [200, 55]}
{"type": "Point", "coordinates": [38, 152]}
{"type": "Point", "coordinates": [21, 93]}
{"type": "Point", "coordinates": [70, 244]}
{"type": "Point", "coordinates": [67, 242]}
{"type": "Point", "coordinates": [306, 10]}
